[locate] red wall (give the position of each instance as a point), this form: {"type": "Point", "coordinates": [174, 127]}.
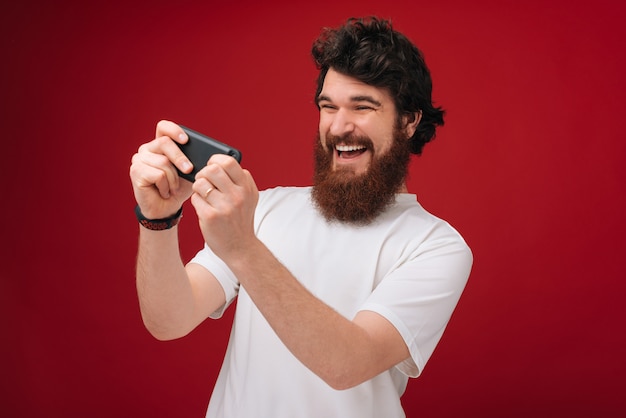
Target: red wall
{"type": "Point", "coordinates": [529, 167]}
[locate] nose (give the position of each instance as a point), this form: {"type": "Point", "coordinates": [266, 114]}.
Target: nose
{"type": "Point", "coordinates": [341, 123]}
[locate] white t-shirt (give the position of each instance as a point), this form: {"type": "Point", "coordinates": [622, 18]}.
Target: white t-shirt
{"type": "Point", "coordinates": [408, 266]}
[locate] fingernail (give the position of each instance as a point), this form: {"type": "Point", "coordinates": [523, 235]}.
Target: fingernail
{"type": "Point", "coordinates": [186, 166]}
{"type": "Point", "coordinates": [182, 137]}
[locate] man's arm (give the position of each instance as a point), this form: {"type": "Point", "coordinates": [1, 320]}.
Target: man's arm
{"type": "Point", "coordinates": [342, 352]}
{"type": "Point", "coordinates": [173, 299]}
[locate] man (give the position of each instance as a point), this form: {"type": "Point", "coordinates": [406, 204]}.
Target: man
{"type": "Point", "coordinates": [343, 288]}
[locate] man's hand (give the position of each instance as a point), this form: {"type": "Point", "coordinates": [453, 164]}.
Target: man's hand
{"type": "Point", "coordinates": [225, 198]}
{"type": "Point", "coordinates": [158, 189]}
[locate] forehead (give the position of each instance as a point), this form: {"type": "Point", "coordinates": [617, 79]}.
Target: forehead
{"type": "Point", "coordinates": [340, 87]}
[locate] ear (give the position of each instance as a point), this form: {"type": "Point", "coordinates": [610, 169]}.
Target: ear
{"type": "Point", "coordinates": [410, 122]}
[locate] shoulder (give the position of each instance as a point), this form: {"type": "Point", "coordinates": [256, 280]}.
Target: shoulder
{"type": "Point", "coordinates": [283, 202]}
{"type": "Point", "coordinates": [425, 229]}
{"type": "Point", "coordinates": [282, 191]}
{"type": "Point", "coordinates": [281, 195]}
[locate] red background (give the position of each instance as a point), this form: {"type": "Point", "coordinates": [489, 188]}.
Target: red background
{"type": "Point", "coordinates": [529, 167]}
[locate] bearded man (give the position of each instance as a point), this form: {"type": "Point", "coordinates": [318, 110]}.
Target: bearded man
{"type": "Point", "coordinates": [344, 288]}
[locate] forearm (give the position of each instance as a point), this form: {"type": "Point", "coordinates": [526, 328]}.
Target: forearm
{"type": "Point", "coordinates": [335, 348]}
{"type": "Point", "coordinates": [164, 290]}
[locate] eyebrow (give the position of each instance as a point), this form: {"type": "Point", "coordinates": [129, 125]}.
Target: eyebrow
{"type": "Point", "coordinates": [368, 99]}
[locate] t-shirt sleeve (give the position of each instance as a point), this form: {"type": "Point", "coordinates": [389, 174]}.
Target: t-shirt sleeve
{"type": "Point", "coordinates": [222, 273]}
{"type": "Point", "coordinates": [227, 279]}
{"type": "Point", "coordinates": [420, 294]}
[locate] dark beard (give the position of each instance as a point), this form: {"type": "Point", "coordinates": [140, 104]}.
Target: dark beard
{"type": "Point", "coordinates": [358, 199]}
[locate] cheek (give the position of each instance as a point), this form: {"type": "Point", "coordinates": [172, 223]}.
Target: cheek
{"type": "Point", "coordinates": [324, 124]}
{"type": "Point", "coordinates": [322, 139]}
{"type": "Point", "coordinates": [322, 131]}
{"type": "Point", "coordinates": [382, 139]}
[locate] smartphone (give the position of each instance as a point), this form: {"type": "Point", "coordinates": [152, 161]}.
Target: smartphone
{"type": "Point", "coordinates": [199, 149]}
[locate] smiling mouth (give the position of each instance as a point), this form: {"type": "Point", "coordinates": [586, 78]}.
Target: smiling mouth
{"type": "Point", "coordinates": [350, 151]}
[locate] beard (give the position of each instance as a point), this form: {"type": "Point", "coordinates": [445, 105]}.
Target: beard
{"type": "Point", "coordinates": [342, 195]}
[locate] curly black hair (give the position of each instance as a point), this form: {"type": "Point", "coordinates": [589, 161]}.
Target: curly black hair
{"type": "Point", "coordinates": [371, 51]}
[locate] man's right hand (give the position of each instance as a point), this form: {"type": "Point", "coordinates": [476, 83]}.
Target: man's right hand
{"type": "Point", "coordinates": [159, 190]}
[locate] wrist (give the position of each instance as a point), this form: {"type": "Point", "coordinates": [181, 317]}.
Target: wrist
{"type": "Point", "coordinates": [158, 224]}
{"type": "Point", "coordinates": [237, 257]}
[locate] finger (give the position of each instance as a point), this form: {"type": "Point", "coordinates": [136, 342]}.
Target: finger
{"type": "Point", "coordinates": [223, 171]}
{"type": "Point", "coordinates": [159, 154]}
{"type": "Point", "coordinates": [149, 176]}
{"type": "Point", "coordinates": [203, 209]}
{"type": "Point", "coordinates": [169, 128]}
{"type": "Point", "coordinates": [226, 175]}
{"type": "Point", "coordinates": [164, 145]}
{"type": "Point", "coordinates": [166, 128]}
{"type": "Point", "coordinates": [204, 188]}
{"type": "Point", "coordinates": [215, 175]}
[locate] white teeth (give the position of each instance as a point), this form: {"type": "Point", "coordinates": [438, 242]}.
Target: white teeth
{"type": "Point", "coordinates": [345, 148]}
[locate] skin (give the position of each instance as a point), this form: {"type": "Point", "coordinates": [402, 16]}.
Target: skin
{"type": "Point", "coordinates": [175, 298]}
{"type": "Point", "coordinates": [348, 106]}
